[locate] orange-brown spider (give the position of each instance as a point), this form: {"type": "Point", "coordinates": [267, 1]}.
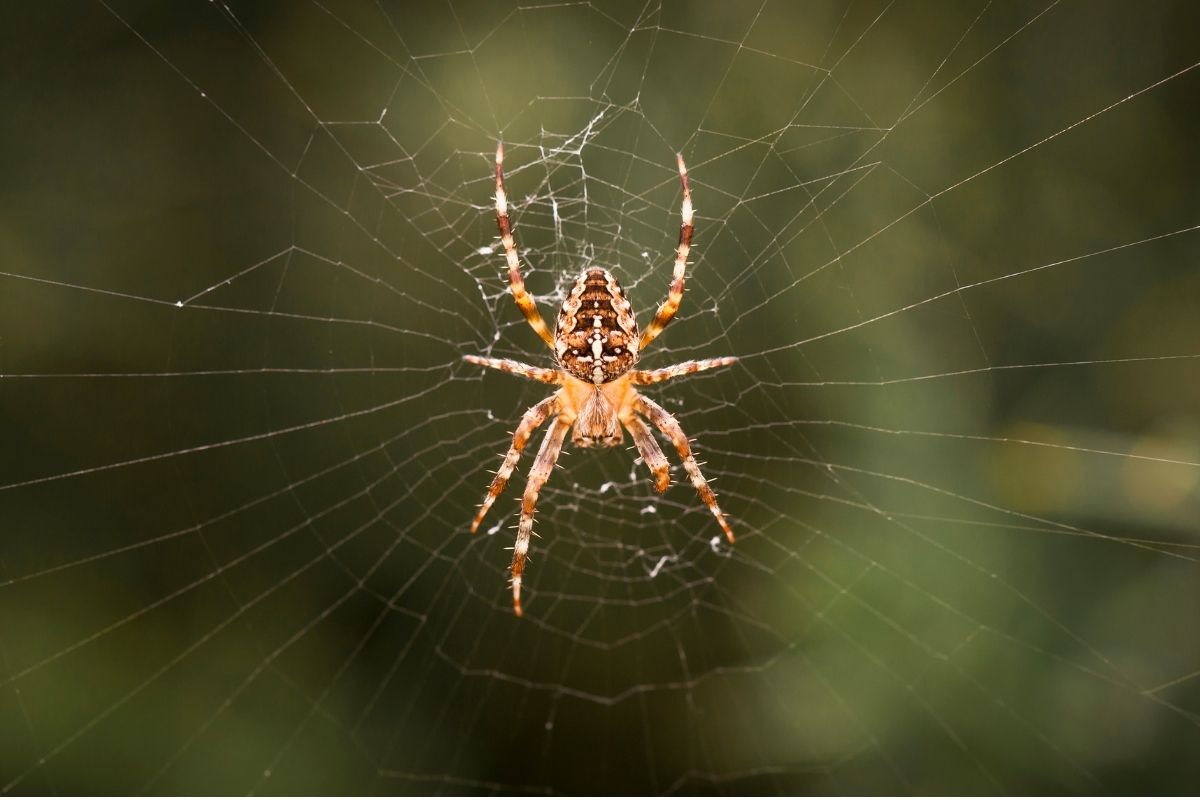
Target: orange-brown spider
{"type": "Point", "coordinates": [596, 344]}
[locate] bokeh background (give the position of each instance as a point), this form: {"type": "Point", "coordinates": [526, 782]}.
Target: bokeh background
{"type": "Point", "coordinates": [244, 245]}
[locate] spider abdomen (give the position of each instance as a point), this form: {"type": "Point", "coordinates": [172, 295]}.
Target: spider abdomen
{"type": "Point", "coordinates": [597, 336]}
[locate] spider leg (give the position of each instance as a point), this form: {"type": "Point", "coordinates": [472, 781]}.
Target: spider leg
{"type": "Point", "coordinates": [517, 368]}
{"type": "Point", "coordinates": [534, 417]}
{"type": "Point", "coordinates": [667, 424]}
{"type": "Point", "coordinates": [516, 282]}
{"type": "Point", "coordinates": [666, 311]}
{"type": "Point", "coordinates": [650, 452]}
{"type": "Point", "coordinates": [542, 467]}
{"type": "Point", "coordinates": [644, 376]}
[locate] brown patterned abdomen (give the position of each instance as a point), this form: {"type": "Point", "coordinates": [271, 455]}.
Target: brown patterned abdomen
{"type": "Point", "coordinates": [597, 336]}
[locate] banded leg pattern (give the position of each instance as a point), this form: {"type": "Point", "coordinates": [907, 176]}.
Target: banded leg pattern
{"type": "Point", "coordinates": [516, 282]}
{"type": "Point", "coordinates": [542, 467]}
{"type": "Point", "coordinates": [650, 452]}
{"type": "Point", "coordinates": [667, 310]}
{"type": "Point", "coordinates": [533, 418]}
{"type": "Point", "coordinates": [666, 423]}
{"type": "Point", "coordinates": [646, 376]}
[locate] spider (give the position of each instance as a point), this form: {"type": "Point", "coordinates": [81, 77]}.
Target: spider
{"type": "Point", "coordinates": [596, 345]}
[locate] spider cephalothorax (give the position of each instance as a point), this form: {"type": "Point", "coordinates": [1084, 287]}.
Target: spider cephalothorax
{"type": "Point", "coordinates": [596, 344]}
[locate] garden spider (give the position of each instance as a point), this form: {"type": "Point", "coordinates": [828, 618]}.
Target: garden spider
{"type": "Point", "coordinates": [596, 345]}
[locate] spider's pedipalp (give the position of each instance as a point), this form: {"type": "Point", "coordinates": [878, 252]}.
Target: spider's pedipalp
{"type": "Point", "coordinates": [650, 452]}
{"type": "Point", "coordinates": [542, 466]}
{"type": "Point", "coordinates": [666, 423]}
{"type": "Point", "coordinates": [516, 368]}
{"type": "Point", "coordinates": [516, 282]}
{"type": "Point", "coordinates": [668, 309]}
{"type": "Point", "coordinates": [534, 417]}
{"type": "Point", "coordinates": [646, 376]}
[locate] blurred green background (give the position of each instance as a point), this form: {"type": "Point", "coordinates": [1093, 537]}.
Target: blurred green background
{"type": "Point", "coordinates": [244, 245]}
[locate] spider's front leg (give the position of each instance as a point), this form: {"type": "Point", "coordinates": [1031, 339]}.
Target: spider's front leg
{"type": "Point", "coordinates": [650, 452]}
{"type": "Point", "coordinates": [542, 467]}
{"type": "Point", "coordinates": [667, 424]}
{"type": "Point", "coordinates": [533, 418]}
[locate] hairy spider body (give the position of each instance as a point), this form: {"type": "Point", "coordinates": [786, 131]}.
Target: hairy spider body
{"type": "Point", "coordinates": [597, 408]}
{"type": "Point", "coordinates": [596, 345]}
{"type": "Point", "coordinates": [597, 336]}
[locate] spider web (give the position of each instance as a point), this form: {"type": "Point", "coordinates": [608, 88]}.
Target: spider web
{"type": "Point", "coordinates": [953, 245]}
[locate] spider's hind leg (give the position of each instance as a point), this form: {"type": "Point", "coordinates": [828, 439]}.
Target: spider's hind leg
{"type": "Point", "coordinates": [668, 309]}
{"type": "Point", "coordinates": [516, 282]}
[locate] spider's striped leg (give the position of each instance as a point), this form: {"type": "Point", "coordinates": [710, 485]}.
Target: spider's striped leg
{"type": "Point", "coordinates": [667, 424]}
{"type": "Point", "coordinates": [644, 376]}
{"type": "Point", "coordinates": [517, 368]}
{"type": "Point", "coordinates": [534, 417]}
{"type": "Point", "coordinates": [650, 452]}
{"type": "Point", "coordinates": [516, 282]}
{"type": "Point", "coordinates": [542, 467]}
{"type": "Point", "coordinates": [666, 311]}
